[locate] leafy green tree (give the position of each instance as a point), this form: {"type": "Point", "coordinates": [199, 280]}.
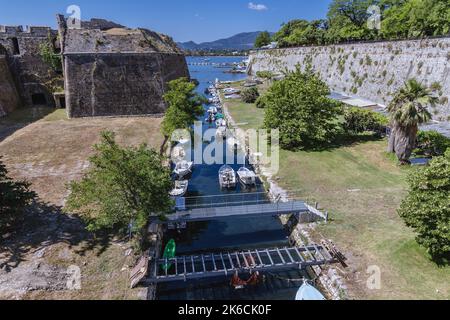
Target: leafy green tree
{"type": "Point", "coordinates": [263, 39]}
{"type": "Point", "coordinates": [300, 108]}
{"type": "Point", "coordinates": [348, 20]}
{"type": "Point", "coordinates": [426, 208]}
{"type": "Point", "coordinates": [250, 95]}
{"type": "Point", "coordinates": [122, 188]}
{"type": "Point", "coordinates": [416, 18]}
{"type": "Point", "coordinates": [408, 110]}
{"type": "Point", "coordinates": [184, 107]}
{"type": "Point", "coordinates": [301, 32]}
{"type": "Point", "coordinates": [14, 198]}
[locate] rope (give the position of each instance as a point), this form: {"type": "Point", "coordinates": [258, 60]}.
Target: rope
{"type": "Point", "coordinates": [289, 280]}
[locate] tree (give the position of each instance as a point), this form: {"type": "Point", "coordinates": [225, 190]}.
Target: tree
{"type": "Point", "coordinates": [408, 109]}
{"type": "Point", "coordinates": [302, 32]}
{"type": "Point", "coordinates": [263, 39]}
{"type": "Point", "coordinates": [14, 198]}
{"type": "Point", "coordinates": [426, 208]}
{"type": "Point", "coordinates": [122, 188]}
{"type": "Point", "coordinates": [250, 95]}
{"type": "Point", "coordinates": [416, 18]}
{"type": "Point", "coordinates": [184, 107]}
{"type": "Point", "coordinates": [300, 108]}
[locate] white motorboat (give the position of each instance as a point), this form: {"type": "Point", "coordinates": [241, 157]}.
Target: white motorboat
{"type": "Point", "coordinates": [180, 188]}
{"type": "Point", "coordinates": [183, 168]}
{"type": "Point", "coordinates": [221, 132]}
{"type": "Point", "coordinates": [233, 143]}
{"type": "Point", "coordinates": [247, 176]}
{"type": "Point", "coordinates": [227, 177]}
{"type": "Point", "coordinates": [221, 123]}
{"type": "Point", "coordinates": [212, 110]}
{"type": "Point", "coordinates": [308, 292]}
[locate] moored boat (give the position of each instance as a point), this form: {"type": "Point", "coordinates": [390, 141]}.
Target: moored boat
{"type": "Point", "coordinates": [227, 177]}
{"type": "Point", "coordinates": [221, 132]}
{"type": "Point", "coordinates": [247, 176]}
{"type": "Point", "coordinates": [183, 168]}
{"type": "Point", "coordinates": [180, 188]}
{"type": "Point", "coordinates": [308, 292]}
{"type": "Point", "coordinates": [169, 253]}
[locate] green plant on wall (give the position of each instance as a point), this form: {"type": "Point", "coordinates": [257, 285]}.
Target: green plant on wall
{"type": "Point", "coordinates": [47, 53]}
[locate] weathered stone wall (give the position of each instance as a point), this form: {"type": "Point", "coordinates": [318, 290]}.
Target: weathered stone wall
{"type": "Point", "coordinates": [31, 74]}
{"type": "Point", "coordinates": [119, 84]}
{"type": "Point", "coordinates": [369, 70]}
{"type": "Point", "coordinates": [9, 97]}
{"type": "Point", "coordinates": [111, 70]}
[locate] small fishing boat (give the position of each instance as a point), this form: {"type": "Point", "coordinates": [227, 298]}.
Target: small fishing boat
{"type": "Point", "coordinates": [169, 253]}
{"type": "Point", "coordinates": [212, 110]}
{"type": "Point", "coordinates": [233, 143]}
{"type": "Point", "coordinates": [183, 168]}
{"type": "Point", "coordinates": [221, 123]}
{"type": "Point", "coordinates": [308, 292]}
{"type": "Point", "coordinates": [227, 177]}
{"type": "Point", "coordinates": [247, 176]}
{"type": "Point", "coordinates": [180, 188]}
{"type": "Point", "coordinates": [221, 132]}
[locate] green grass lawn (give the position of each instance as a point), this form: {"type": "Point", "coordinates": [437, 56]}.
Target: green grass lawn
{"type": "Point", "coordinates": [361, 187]}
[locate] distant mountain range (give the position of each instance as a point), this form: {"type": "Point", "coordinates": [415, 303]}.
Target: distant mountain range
{"type": "Point", "coordinates": [241, 41]}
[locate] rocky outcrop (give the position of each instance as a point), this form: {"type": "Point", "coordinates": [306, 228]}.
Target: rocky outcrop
{"type": "Point", "coordinates": [9, 97]}
{"type": "Point", "coordinates": [374, 71]}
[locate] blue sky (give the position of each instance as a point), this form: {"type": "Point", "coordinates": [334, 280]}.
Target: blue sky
{"type": "Point", "coordinates": [184, 20]}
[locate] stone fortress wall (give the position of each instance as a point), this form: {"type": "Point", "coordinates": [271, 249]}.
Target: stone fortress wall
{"type": "Point", "coordinates": [112, 70]}
{"type": "Point", "coordinates": [372, 70]}
{"type": "Point", "coordinates": [107, 69]}
{"type": "Point", "coordinates": [34, 79]}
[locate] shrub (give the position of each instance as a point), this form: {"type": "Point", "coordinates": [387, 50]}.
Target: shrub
{"type": "Point", "coordinates": [426, 208]}
{"type": "Point", "coordinates": [358, 120]}
{"type": "Point", "coordinates": [432, 143]}
{"type": "Point", "coordinates": [265, 74]}
{"type": "Point", "coordinates": [261, 102]}
{"type": "Point", "coordinates": [250, 95]}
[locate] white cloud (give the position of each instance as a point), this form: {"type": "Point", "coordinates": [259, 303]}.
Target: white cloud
{"type": "Point", "coordinates": [257, 7]}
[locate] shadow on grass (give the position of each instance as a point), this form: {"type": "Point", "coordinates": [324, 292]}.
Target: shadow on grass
{"type": "Point", "coordinates": [21, 118]}
{"type": "Point", "coordinates": [41, 227]}
{"type": "Point", "coordinates": [342, 140]}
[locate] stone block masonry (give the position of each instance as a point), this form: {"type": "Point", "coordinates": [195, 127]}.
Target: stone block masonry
{"type": "Point", "coordinates": [108, 84]}
{"type": "Point", "coordinates": [111, 70]}
{"type": "Point", "coordinates": [373, 70]}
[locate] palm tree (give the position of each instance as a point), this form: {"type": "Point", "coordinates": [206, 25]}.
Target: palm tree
{"type": "Point", "coordinates": [408, 110]}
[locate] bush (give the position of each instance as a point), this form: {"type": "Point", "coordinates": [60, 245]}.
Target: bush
{"type": "Point", "coordinates": [358, 120]}
{"type": "Point", "coordinates": [261, 102]}
{"type": "Point", "coordinates": [426, 208]}
{"type": "Point", "coordinates": [432, 143]}
{"type": "Point", "coordinates": [250, 95]}
{"type": "Point", "coordinates": [265, 74]}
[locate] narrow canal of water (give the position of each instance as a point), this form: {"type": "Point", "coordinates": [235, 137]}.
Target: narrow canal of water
{"type": "Point", "coordinates": [226, 234]}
